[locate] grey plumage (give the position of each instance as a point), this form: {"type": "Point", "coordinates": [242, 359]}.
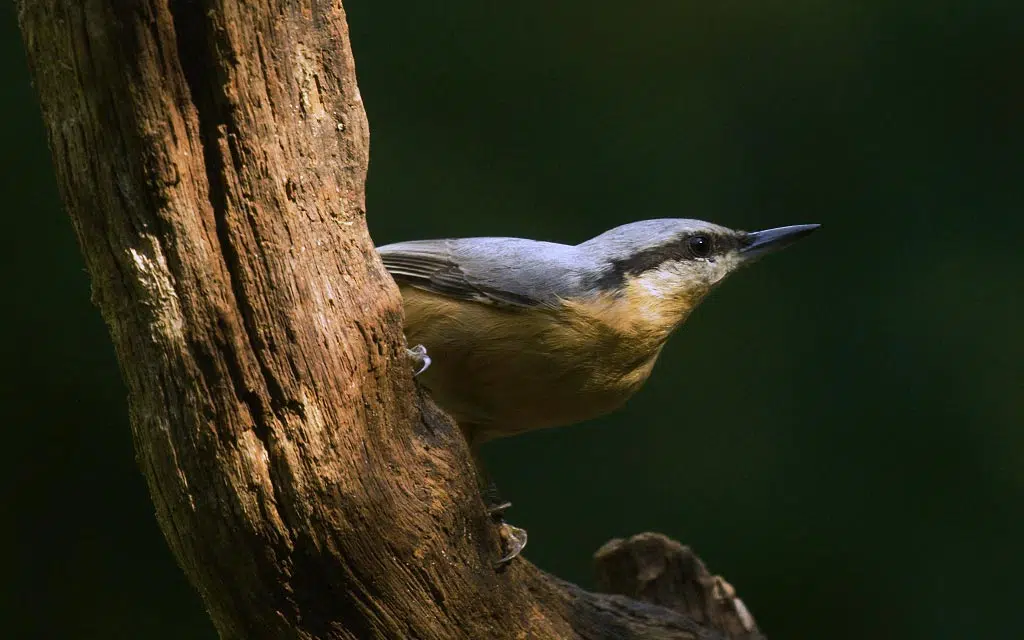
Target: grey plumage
{"type": "Point", "coordinates": [521, 272]}
{"type": "Point", "coordinates": [623, 242]}
{"type": "Point", "coordinates": [503, 271]}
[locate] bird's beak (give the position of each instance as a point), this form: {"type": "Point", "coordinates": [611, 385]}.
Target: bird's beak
{"type": "Point", "coordinates": [759, 243]}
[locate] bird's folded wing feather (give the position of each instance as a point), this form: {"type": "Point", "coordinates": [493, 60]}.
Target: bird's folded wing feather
{"type": "Point", "coordinates": [500, 271]}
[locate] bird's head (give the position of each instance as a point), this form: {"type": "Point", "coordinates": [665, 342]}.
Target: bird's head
{"type": "Point", "coordinates": [669, 265]}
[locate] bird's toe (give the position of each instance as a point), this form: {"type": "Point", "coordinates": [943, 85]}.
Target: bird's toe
{"type": "Point", "coordinates": [419, 357]}
{"type": "Point", "coordinates": [514, 540]}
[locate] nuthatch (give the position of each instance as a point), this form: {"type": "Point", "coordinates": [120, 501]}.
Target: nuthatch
{"type": "Point", "coordinates": [524, 334]}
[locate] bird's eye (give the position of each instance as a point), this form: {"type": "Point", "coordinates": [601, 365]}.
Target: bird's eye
{"type": "Point", "coordinates": [700, 246]}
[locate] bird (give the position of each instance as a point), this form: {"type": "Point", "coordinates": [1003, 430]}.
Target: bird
{"type": "Point", "coordinates": [514, 335]}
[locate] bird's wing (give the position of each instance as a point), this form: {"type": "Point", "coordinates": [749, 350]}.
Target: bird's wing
{"type": "Point", "coordinates": [506, 272]}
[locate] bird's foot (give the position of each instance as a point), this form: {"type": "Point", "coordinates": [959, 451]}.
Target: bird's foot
{"type": "Point", "coordinates": [418, 355]}
{"type": "Point", "coordinates": [514, 541]}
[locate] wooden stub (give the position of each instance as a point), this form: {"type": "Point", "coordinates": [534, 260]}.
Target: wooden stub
{"type": "Point", "coordinates": [656, 569]}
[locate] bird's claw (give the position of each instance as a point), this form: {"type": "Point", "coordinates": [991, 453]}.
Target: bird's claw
{"type": "Point", "coordinates": [418, 355]}
{"type": "Point", "coordinates": [498, 510]}
{"type": "Point", "coordinates": [514, 540]}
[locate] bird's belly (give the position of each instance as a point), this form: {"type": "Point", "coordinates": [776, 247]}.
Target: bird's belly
{"type": "Point", "coordinates": [500, 372]}
{"type": "Point", "coordinates": [503, 392]}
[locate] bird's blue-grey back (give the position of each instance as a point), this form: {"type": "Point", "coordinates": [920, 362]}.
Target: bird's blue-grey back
{"type": "Point", "coordinates": [508, 271]}
{"type": "Point", "coordinates": [521, 272]}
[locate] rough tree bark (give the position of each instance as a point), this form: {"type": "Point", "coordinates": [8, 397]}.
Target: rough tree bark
{"type": "Point", "coordinates": [212, 156]}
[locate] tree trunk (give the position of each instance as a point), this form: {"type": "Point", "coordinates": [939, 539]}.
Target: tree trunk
{"type": "Point", "coordinates": [212, 156]}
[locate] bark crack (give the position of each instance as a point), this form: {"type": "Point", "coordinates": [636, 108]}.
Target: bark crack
{"type": "Point", "coordinates": [196, 48]}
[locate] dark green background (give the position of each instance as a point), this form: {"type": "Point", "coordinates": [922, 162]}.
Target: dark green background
{"type": "Point", "coordinates": [838, 431]}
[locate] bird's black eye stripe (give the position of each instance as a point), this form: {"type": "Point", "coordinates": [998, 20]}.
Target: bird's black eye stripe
{"type": "Point", "coordinates": [695, 245]}
{"type": "Point", "coordinates": [700, 245]}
